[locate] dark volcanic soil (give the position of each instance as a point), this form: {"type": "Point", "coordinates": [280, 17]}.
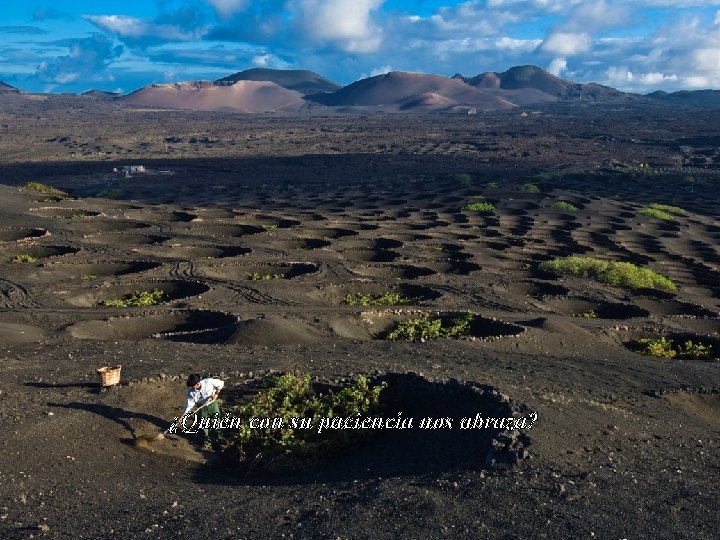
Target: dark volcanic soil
{"type": "Point", "coordinates": [625, 446]}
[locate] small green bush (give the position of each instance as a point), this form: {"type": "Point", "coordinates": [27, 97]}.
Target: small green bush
{"type": "Point", "coordinates": [154, 297]}
{"type": "Point", "coordinates": [424, 328]}
{"type": "Point", "coordinates": [617, 274]}
{"type": "Point", "coordinates": [664, 347]}
{"type": "Point", "coordinates": [492, 185]}
{"type": "Point", "coordinates": [459, 326]}
{"type": "Point", "coordinates": [592, 314]}
{"type": "Point", "coordinates": [564, 206]}
{"type": "Point", "coordinates": [257, 276]}
{"type": "Point", "coordinates": [269, 226]}
{"type": "Point", "coordinates": [415, 329]}
{"type": "Point", "coordinates": [694, 351]}
{"type": "Point", "coordinates": [531, 188]}
{"type": "Point", "coordinates": [17, 259]}
{"type": "Point", "coordinates": [44, 189]}
{"type": "Point", "coordinates": [483, 207]}
{"type": "Point", "coordinates": [292, 395]}
{"type": "Point", "coordinates": [50, 200]}
{"type": "Point", "coordinates": [656, 347]}
{"type": "Point", "coordinates": [384, 299]}
{"type": "Point", "coordinates": [676, 210]}
{"type": "Point", "coordinates": [657, 214]}
{"type": "Point", "coordinates": [78, 216]}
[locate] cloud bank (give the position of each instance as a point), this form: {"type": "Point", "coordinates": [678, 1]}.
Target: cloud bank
{"type": "Point", "coordinates": [639, 45]}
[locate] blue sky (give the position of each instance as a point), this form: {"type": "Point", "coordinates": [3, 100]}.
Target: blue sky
{"type": "Point", "coordinates": [634, 45]}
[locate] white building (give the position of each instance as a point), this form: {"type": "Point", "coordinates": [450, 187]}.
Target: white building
{"type": "Point", "coordinates": [134, 169]}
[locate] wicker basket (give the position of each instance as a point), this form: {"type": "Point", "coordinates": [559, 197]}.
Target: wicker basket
{"type": "Point", "coordinates": [109, 376]}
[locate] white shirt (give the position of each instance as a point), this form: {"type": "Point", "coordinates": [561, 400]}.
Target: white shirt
{"type": "Point", "coordinates": [208, 387]}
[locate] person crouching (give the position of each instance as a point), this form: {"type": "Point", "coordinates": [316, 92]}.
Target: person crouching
{"type": "Point", "coordinates": [204, 393]}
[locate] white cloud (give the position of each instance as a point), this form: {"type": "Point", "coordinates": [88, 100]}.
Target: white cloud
{"type": "Point", "coordinates": [707, 60]}
{"type": "Point", "coordinates": [380, 71]}
{"type": "Point", "coordinates": [133, 28]}
{"type": "Point", "coordinates": [469, 18]}
{"type": "Point", "coordinates": [346, 22]}
{"type": "Point", "coordinates": [121, 25]}
{"type": "Point", "coordinates": [261, 60]}
{"type": "Point", "coordinates": [696, 81]}
{"type": "Point", "coordinates": [228, 8]}
{"type": "Point", "coordinates": [88, 59]}
{"type": "Point", "coordinates": [512, 44]}
{"type": "Point", "coordinates": [566, 43]}
{"type": "Point", "coordinates": [656, 78]}
{"type": "Point", "coordinates": [557, 66]}
{"type": "Point", "coordinates": [547, 6]}
{"type": "Point", "coordinates": [618, 75]}
{"type": "Point", "coordinates": [593, 15]}
{"type": "Point", "coordinates": [374, 72]}
{"type": "Point", "coordinates": [173, 74]}
{"type": "Point", "coordinates": [621, 76]}
{"type": "Point", "coordinates": [678, 3]}
{"type": "Point", "coordinates": [469, 45]}
{"type": "Point", "coordinates": [60, 78]}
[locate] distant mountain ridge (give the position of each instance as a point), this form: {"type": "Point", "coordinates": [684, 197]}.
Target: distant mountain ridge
{"type": "Point", "coordinates": [4, 87]}
{"type": "Point", "coordinates": [300, 80]}
{"type": "Point", "coordinates": [101, 94]}
{"type": "Point", "coordinates": [710, 98]}
{"type": "Point", "coordinates": [411, 91]}
{"type": "Point", "coordinates": [518, 86]}
{"type": "Point", "coordinates": [241, 96]}
{"type": "Point", "coordinates": [535, 78]}
{"type": "Point", "coordinates": [267, 90]}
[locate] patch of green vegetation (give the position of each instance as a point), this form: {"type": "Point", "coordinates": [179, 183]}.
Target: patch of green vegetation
{"type": "Point", "coordinates": [617, 274]}
{"type": "Point", "coordinates": [694, 351]}
{"type": "Point", "coordinates": [656, 347]}
{"type": "Point", "coordinates": [633, 170]}
{"type": "Point", "coordinates": [50, 200]}
{"type": "Point", "coordinates": [425, 327]}
{"type": "Point", "coordinates": [292, 396]}
{"type": "Point", "coordinates": [531, 188]}
{"type": "Point", "coordinates": [269, 226]}
{"type": "Point", "coordinates": [666, 348]}
{"type": "Point", "coordinates": [153, 297]}
{"type": "Point", "coordinates": [384, 299]}
{"type": "Point", "coordinates": [258, 276]}
{"type": "Point", "coordinates": [675, 210]}
{"type": "Point", "coordinates": [44, 189]}
{"type": "Point", "coordinates": [564, 206]}
{"type": "Point", "coordinates": [88, 277]}
{"type": "Point", "coordinates": [657, 214]}
{"type": "Point", "coordinates": [17, 259]}
{"type": "Point", "coordinates": [77, 216]}
{"type": "Point", "coordinates": [492, 185]}
{"type": "Point", "coordinates": [482, 207]}
{"type": "Point", "coordinates": [592, 314]}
